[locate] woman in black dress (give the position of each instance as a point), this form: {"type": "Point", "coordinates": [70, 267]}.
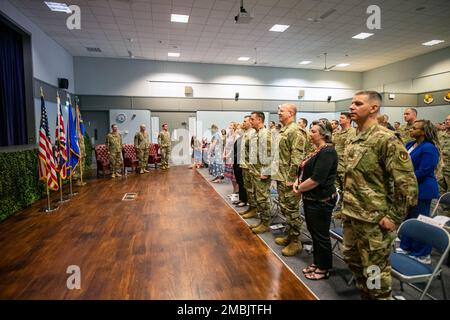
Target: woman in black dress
{"type": "Point", "coordinates": [317, 174]}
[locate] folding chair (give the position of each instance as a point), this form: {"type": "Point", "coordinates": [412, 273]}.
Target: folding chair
{"type": "Point", "coordinates": [409, 270]}
{"type": "Point", "coordinates": [277, 221]}
{"type": "Point", "coordinates": [443, 200]}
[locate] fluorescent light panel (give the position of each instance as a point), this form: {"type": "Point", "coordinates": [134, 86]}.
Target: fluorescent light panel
{"type": "Point", "coordinates": [432, 42]}
{"type": "Point", "coordinates": [179, 18]}
{"type": "Point", "coordinates": [279, 27]}
{"type": "Point", "coordinates": [58, 7]}
{"type": "Point", "coordinates": [305, 62]}
{"type": "Point", "coordinates": [341, 65]}
{"type": "Point", "coordinates": [362, 35]}
{"type": "Point", "coordinates": [244, 58]}
{"type": "Point", "coordinates": [173, 54]}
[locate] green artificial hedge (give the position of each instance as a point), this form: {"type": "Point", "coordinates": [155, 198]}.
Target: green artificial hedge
{"type": "Point", "coordinates": [19, 181]}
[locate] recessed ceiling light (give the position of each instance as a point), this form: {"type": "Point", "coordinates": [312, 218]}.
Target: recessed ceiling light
{"type": "Point", "coordinates": [179, 18]}
{"type": "Point", "coordinates": [305, 62]}
{"type": "Point", "coordinates": [279, 27]}
{"type": "Point", "coordinates": [173, 54]}
{"type": "Point", "coordinates": [244, 58]}
{"type": "Point", "coordinates": [432, 42]}
{"type": "Point", "coordinates": [362, 35]}
{"type": "Point", "coordinates": [58, 7]}
{"type": "Point", "coordinates": [341, 65]}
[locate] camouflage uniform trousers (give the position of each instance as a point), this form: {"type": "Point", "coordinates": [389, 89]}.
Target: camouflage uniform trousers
{"type": "Point", "coordinates": [261, 194]}
{"type": "Point", "coordinates": [289, 205]}
{"type": "Point", "coordinates": [142, 155]}
{"type": "Point", "coordinates": [116, 162]}
{"type": "Point", "coordinates": [366, 251]}
{"type": "Point", "coordinates": [444, 186]}
{"type": "Point", "coordinates": [165, 152]}
{"type": "Point", "coordinates": [249, 188]}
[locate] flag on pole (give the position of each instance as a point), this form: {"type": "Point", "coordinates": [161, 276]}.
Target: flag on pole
{"type": "Point", "coordinates": [73, 150]}
{"type": "Point", "coordinates": [80, 123]}
{"type": "Point", "coordinates": [47, 167]}
{"type": "Point", "coordinates": [60, 142]}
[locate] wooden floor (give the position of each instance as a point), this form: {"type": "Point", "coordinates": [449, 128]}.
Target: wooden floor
{"type": "Point", "coordinates": [178, 240]}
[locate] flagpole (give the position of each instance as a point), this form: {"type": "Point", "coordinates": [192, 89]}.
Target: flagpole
{"type": "Point", "coordinates": [61, 198]}
{"type": "Point", "coordinates": [49, 208]}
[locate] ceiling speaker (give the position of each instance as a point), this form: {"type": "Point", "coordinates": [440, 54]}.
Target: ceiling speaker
{"type": "Point", "coordinates": [188, 91]}
{"type": "Point", "coordinates": [301, 93]}
{"type": "Point", "coordinates": [63, 83]}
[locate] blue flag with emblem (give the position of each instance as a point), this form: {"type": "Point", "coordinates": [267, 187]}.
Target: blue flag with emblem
{"type": "Point", "coordinates": [73, 150]}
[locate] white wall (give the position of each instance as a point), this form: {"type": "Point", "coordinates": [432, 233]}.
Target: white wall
{"type": "Point", "coordinates": [50, 60]}
{"type": "Point", "coordinates": [429, 72]}
{"type": "Point", "coordinates": [131, 77]}
{"type": "Point", "coordinates": [133, 120]}
{"type": "Point", "coordinates": [434, 113]}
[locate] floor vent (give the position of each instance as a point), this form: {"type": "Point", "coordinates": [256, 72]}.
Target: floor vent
{"type": "Point", "coordinates": [129, 196]}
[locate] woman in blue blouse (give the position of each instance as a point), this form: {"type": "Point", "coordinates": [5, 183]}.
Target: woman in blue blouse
{"type": "Point", "coordinates": [424, 152]}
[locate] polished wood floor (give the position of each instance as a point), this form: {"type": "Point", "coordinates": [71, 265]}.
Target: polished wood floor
{"type": "Point", "coordinates": [178, 240]}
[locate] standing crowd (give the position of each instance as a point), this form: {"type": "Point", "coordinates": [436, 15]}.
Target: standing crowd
{"type": "Point", "coordinates": [385, 173]}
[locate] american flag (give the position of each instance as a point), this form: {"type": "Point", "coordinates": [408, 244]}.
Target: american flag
{"type": "Point", "coordinates": [47, 167]}
{"type": "Point", "coordinates": [60, 142]}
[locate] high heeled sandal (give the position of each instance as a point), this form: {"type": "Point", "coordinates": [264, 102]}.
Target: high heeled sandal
{"type": "Point", "coordinates": [318, 275]}
{"type": "Point", "coordinates": [309, 269]}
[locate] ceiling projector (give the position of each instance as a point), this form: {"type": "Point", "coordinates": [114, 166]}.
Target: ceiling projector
{"type": "Point", "coordinates": [243, 17]}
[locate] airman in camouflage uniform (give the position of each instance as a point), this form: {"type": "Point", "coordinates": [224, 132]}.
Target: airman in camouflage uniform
{"type": "Point", "coordinates": [164, 144]}
{"type": "Point", "coordinates": [291, 151]}
{"type": "Point", "coordinates": [114, 146]}
{"type": "Point", "coordinates": [444, 177]}
{"type": "Point", "coordinates": [410, 115]}
{"type": "Point", "coordinates": [340, 141]}
{"type": "Point", "coordinates": [243, 157]}
{"type": "Point", "coordinates": [260, 169]}
{"type": "Point", "coordinates": [380, 186]}
{"type": "Point", "coordinates": [142, 144]}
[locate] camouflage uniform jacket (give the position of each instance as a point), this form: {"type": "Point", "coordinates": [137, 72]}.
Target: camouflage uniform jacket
{"type": "Point", "coordinates": [404, 133]}
{"type": "Point", "coordinates": [164, 139]}
{"type": "Point", "coordinates": [114, 142]}
{"type": "Point", "coordinates": [260, 152]}
{"type": "Point", "coordinates": [245, 147]}
{"type": "Point", "coordinates": [291, 151]}
{"type": "Point", "coordinates": [308, 144]}
{"type": "Point", "coordinates": [340, 142]}
{"type": "Point", "coordinates": [444, 139]}
{"type": "Point", "coordinates": [141, 140]}
{"type": "Point", "coordinates": [379, 177]}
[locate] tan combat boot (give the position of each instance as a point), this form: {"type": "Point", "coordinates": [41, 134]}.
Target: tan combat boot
{"type": "Point", "coordinates": [294, 247]}
{"type": "Point", "coordinates": [118, 174]}
{"type": "Point", "coordinates": [263, 227]}
{"type": "Point", "coordinates": [246, 211]}
{"type": "Point", "coordinates": [141, 171]}
{"type": "Point", "coordinates": [283, 241]}
{"type": "Point", "coordinates": [250, 214]}
{"type": "Point", "coordinates": [254, 225]}
{"type": "Point", "coordinates": [113, 175]}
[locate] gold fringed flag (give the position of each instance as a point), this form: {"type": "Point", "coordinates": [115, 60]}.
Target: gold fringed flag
{"type": "Point", "coordinates": [47, 167]}
{"type": "Point", "coordinates": [60, 142]}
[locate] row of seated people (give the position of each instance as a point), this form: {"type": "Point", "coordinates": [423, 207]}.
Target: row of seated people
{"type": "Point", "coordinates": [129, 156]}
